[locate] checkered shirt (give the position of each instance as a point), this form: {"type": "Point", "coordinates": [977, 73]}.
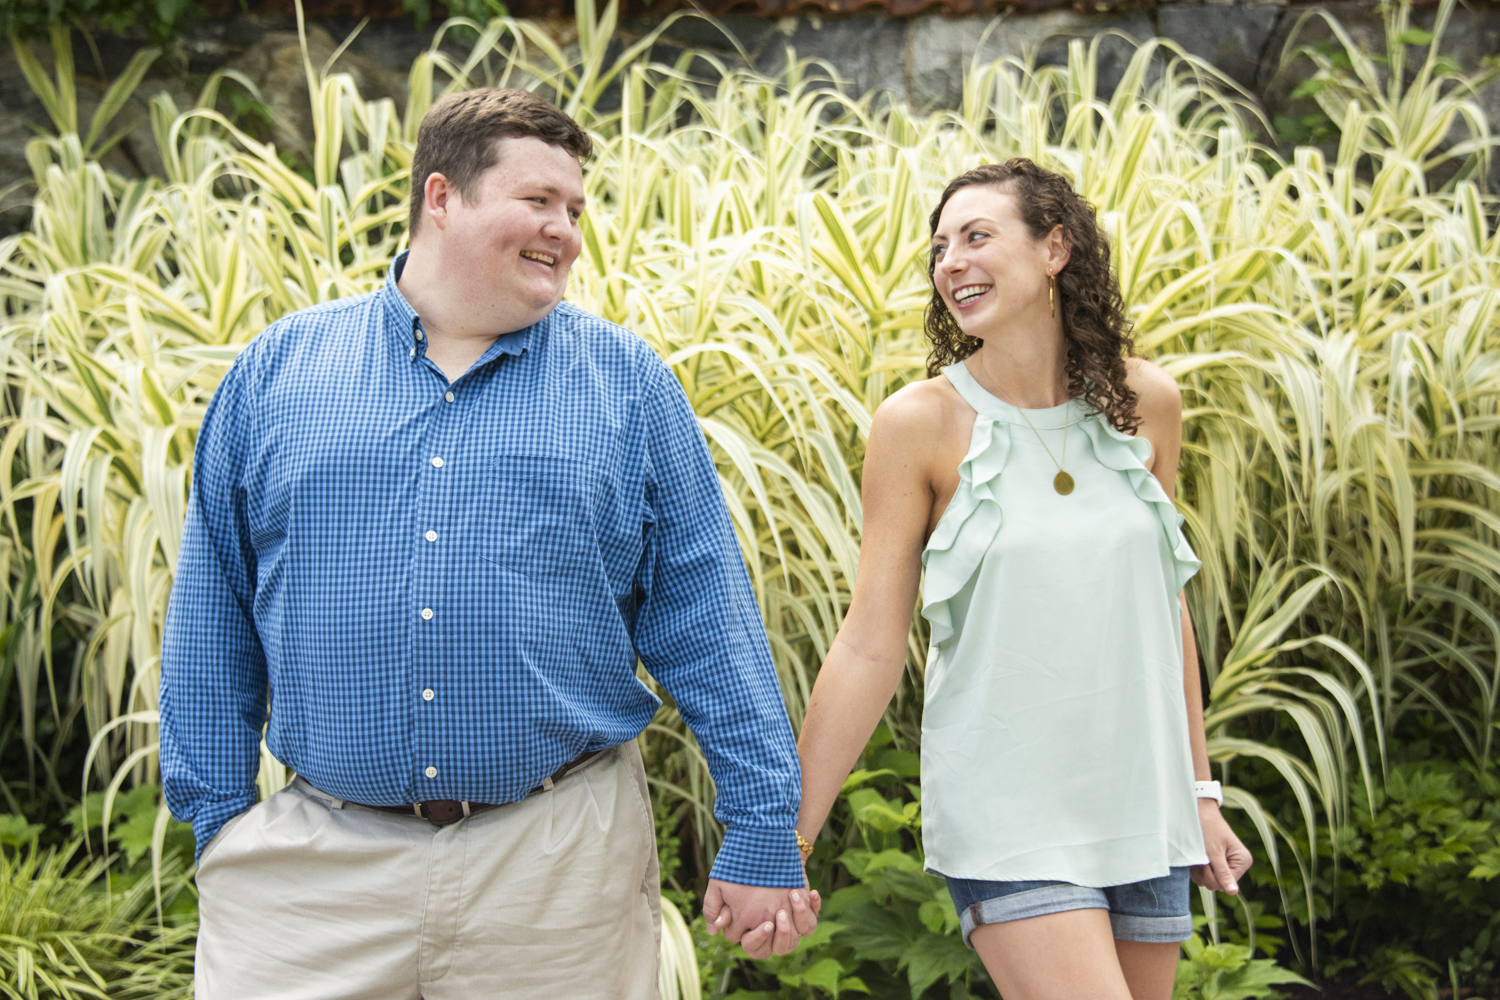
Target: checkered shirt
{"type": "Point", "coordinates": [443, 588]}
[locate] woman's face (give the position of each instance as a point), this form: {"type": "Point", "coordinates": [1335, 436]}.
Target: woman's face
{"type": "Point", "coordinates": [988, 268]}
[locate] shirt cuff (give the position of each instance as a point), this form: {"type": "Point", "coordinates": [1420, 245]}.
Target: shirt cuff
{"type": "Point", "coordinates": [212, 815]}
{"type": "Point", "coordinates": [754, 855]}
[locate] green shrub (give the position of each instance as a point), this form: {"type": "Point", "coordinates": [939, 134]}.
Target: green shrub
{"type": "Point", "coordinates": [1413, 898]}
{"type": "Point", "coordinates": [1227, 972]}
{"type": "Point", "coordinates": [162, 20]}
{"type": "Point", "coordinates": [67, 929]}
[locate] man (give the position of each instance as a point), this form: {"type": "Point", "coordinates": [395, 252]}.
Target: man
{"type": "Point", "coordinates": [437, 525]}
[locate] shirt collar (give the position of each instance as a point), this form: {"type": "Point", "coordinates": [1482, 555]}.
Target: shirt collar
{"type": "Point", "coordinates": [406, 325]}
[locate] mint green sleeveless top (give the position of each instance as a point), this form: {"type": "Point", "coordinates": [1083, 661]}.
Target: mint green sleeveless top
{"type": "Point", "coordinates": [1054, 733]}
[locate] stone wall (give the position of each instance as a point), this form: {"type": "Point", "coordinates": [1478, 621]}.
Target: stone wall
{"type": "Point", "coordinates": [920, 60]}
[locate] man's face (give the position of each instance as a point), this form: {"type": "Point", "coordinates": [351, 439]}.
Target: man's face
{"type": "Point", "coordinates": [518, 232]}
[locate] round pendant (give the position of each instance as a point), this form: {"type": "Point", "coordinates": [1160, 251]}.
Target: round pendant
{"type": "Point", "coordinates": [1063, 483]}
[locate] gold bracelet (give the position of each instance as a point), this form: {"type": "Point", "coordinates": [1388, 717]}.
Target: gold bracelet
{"type": "Point", "coordinates": [803, 847]}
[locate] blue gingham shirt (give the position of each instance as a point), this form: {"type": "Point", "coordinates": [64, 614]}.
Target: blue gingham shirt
{"type": "Point", "coordinates": [444, 587]}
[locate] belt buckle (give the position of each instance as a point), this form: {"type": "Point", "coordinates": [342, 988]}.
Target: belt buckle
{"type": "Point", "coordinates": [442, 812]}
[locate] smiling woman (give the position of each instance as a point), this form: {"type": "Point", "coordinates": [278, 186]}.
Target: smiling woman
{"type": "Point", "coordinates": [1062, 729]}
{"type": "Point", "coordinates": [1097, 334]}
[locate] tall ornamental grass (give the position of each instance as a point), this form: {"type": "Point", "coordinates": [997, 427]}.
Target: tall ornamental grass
{"type": "Point", "coordinates": [1330, 316]}
{"type": "Point", "coordinates": [64, 935]}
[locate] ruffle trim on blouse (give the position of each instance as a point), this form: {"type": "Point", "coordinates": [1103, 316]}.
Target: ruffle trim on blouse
{"type": "Point", "coordinates": [1124, 453]}
{"type": "Point", "coordinates": [974, 513]}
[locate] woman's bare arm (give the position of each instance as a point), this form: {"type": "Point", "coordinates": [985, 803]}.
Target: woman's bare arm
{"type": "Point", "coordinates": [868, 656]}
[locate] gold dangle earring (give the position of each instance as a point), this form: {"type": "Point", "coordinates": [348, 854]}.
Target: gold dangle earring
{"type": "Point", "coordinates": [1052, 293]}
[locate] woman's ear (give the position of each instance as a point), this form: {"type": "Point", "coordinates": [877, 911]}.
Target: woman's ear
{"type": "Point", "coordinates": [1059, 249]}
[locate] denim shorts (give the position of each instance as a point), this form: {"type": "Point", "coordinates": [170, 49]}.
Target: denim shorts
{"type": "Point", "coordinates": [1154, 911]}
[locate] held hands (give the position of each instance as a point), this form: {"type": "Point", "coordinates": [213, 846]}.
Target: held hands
{"type": "Point", "coordinates": [1228, 858]}
{"type": "Point", "coordinates": [764, 921]}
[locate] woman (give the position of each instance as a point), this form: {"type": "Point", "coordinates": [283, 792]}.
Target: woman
{"type": "Point", "coordinates": [1064, 771]}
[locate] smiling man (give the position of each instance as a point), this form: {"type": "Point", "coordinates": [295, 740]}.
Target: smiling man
{"type": "Point", "coordinates": [436, 527]}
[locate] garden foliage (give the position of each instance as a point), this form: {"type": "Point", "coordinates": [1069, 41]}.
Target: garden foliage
{"type": "Point", "coordinates": [81, 924]}
{"type": "Point", "coordinates": [161, 20]}
{"type": "Point", "coordinates": [1330, 314]}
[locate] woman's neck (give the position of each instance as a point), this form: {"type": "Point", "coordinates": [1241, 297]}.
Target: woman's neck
{"type": "Point", "coordinates": [1026, 371]}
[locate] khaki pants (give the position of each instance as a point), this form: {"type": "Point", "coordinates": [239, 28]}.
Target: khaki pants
{"type": "Point", "coordinates": [555, 896]}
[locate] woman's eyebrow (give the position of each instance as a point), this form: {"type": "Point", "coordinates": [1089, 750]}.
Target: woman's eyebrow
{"type": "Point", "coordinates": [964, 228]}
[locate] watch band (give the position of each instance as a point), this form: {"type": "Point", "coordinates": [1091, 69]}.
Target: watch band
{"type": "Point", "coordinates": [1209, 790]}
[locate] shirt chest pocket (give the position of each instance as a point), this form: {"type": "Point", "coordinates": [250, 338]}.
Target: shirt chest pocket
{"type": "Point", "coordinates": [533, 513]}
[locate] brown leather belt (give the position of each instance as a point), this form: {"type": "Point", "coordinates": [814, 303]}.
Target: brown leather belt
{"type": "Point", "coordinates": [441, 812]}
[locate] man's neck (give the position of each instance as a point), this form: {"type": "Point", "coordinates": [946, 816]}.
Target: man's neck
{"type": "Point", "coordinates": [458, 326]}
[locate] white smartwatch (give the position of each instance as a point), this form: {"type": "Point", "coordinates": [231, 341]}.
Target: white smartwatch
{"type": "Point", "coordinates": [1209, 790]}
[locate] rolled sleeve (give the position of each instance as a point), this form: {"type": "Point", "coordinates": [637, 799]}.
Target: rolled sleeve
{"type": "Point", "coordinates": [758, 856]}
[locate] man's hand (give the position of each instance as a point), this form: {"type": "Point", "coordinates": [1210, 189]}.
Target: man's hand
{"type": "Point", "coordinates": [764, 921]}
{"type": "Point", "coordinates": [1228, 858]}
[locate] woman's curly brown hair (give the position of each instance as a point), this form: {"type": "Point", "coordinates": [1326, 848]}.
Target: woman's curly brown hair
{"type": "Point", "coordinates": [1094, 325]}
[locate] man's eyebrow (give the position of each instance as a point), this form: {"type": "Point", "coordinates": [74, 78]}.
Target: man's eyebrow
{"type": "Point", "coordinates": [556, 192]}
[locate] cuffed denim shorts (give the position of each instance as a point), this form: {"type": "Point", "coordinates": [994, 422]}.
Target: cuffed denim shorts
{"type": "Point", "coordinates": [1154, 911]}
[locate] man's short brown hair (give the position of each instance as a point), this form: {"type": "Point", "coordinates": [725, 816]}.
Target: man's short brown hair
{"type": "Point", "coordinates": [459, 137]}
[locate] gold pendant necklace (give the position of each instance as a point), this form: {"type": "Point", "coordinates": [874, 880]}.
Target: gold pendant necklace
{"type": "Point", "coordinates": [1062, 482]}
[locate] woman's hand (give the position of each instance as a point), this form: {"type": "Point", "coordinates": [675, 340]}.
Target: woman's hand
{"type": "Point", "coordinates": [763, 921]}
{"type": "Point", "coordinates": [1228, 858]}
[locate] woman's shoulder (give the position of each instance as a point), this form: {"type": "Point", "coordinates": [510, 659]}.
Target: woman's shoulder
{"type": "Point", "coordinates": [919, 410]}
{"type": "Point", "coordinates": [1156, 391]}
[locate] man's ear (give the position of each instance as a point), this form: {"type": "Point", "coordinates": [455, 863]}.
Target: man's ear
{"type": "Point", "coordinates": [437, 198]}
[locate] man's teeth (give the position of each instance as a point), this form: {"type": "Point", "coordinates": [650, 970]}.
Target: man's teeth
{"type": "Point", "coordinates": [536, 255]}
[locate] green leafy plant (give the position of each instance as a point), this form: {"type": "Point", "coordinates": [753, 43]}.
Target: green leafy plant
{"type": "Point", "coordinates": [15, 831]}
{"type": "Point", "coordinates": [65, 934]}
{"type": "Point", "coordinates": [1396, 969]}
{"type": "Point", "coordinates": [1228, 972]}
{"type": "Point", "coordinates": [1412, 891]}
{"type": "Point", "coordinates": [162, 20]}
{"type": "Point", "coordinates": [132, 819]}
{"type": "Point", "coordinates": [59, 96]}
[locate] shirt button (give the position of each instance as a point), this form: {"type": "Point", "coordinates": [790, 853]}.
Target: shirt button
{"type": "Point", "coordinates": [437, 463]}
{"type": "Point", "coordinates": [419, 333]}
{"type": "Point", "coordinates": [432, 536]}
{"type": "Point", "coordinates": [427, 614]}
{"type": "Point", "coordinates": [412, 352]}
{"type": "Point", "coordinates": [431, 772]}
{"type": "Point", "coordinates": [448, 396]}
{"type": "Point", "coordinates": [428, 695]}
